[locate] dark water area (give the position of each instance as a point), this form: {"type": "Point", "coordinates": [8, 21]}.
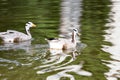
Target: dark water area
{"type": "Point", "coordinates": [32, 60]}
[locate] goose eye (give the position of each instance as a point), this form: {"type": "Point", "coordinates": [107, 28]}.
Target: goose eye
{"type": "Point", "coordinates": [74, 29]}
{"type": "Point", "coordinates": [29, 23]}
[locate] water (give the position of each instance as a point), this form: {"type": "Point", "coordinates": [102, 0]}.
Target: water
{"type": "Point", "coordinates": [113, 37]}
{"type": "Point", "coordinates": [32, 60]}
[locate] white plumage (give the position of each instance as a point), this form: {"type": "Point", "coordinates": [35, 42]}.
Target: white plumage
{"type": "Point", "coordinates": [12, 36]}
{"type": "Point", "coordinates": [63, 43]}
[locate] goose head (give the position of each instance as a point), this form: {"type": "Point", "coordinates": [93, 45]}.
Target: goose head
{"type": "Point", "coordinates": [75, 31]}
{"type": "Point", "coordinates": [29, 25]}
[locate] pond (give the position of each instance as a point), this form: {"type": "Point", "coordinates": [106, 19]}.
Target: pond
{"type": "Point", "coordinates": [97, 53]}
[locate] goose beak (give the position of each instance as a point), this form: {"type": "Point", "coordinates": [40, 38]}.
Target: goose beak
{"type": "Point", "coordinates": [78, 34]}
{"type": "Point", "coordinates": [33, 25]}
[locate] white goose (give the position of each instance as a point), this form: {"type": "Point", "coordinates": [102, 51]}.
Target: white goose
{"type": "Point", "coordinates": [12, 36]}
{"type": "Point", "coordinates": [63, 43]}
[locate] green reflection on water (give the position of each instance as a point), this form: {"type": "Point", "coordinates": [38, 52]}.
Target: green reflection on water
{"type": "Point", "coordinates": [93, 23]}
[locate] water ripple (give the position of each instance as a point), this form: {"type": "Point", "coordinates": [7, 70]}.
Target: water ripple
{"type": "Point", "coordinates": [71, 68]}
{"type": "Point", "coordinates": [60, 61]}
{"type": "Point", "coordinates": [113, 36]}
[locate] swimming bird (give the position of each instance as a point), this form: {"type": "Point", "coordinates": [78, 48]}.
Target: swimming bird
{"type": "Point", "coordinates": [13, 36]}
{"type": "Point", "coordinates": [63, 43]}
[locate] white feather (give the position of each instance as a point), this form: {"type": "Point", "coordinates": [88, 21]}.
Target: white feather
{"type": "Point", "coordinates": [11, 36]}
{"type": "Point", "coordinates": [63, 43]}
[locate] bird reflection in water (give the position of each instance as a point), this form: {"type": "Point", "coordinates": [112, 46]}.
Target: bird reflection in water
{"type": "Point", "coordinates": [25, 45]}
{"type": "Point", "coordinates": [59, 61]}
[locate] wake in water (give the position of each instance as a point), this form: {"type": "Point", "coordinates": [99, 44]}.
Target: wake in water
{"type": "Point", "coordinates": [59, 61]}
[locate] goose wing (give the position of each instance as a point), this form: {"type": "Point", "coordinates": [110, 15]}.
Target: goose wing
{"type": "Point", "coordinates": [8, 32]}
{"type": "Point", "coordinates": [11, 35]}
{"type": "Point", "coordinates": [16, 34]}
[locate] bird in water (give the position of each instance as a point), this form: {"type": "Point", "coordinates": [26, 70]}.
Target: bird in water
{"type": "Point", "coordinates": [13, 36]}
{"type": "Point", "coordinates": [63, 43]}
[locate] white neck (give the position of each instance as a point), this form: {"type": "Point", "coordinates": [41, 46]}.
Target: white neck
{"type": "Point", "coordinates": [27, 31]}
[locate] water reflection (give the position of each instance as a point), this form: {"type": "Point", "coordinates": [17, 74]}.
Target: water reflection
{"type": "Point", "coordinates": [70, 17]}
{"type": "Point", "coordinates": [113, 36]}
{"type": "Point", "coordinates": [16, 46]}
{"type": "Point", "coordinates": [55, 63]}
{"type": "Point", "coordinates": [72, 68]}
{"type": "Point", "coordinates": [22, 51]}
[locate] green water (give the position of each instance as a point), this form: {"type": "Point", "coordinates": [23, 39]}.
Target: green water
{"type": "Point", "coordinates": [93, 25]}
{"type": "Point", "coordinates": [20, 63]}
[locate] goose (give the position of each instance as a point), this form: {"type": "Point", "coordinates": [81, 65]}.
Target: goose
{"type": "Point", "coordinates": [63, 43]}
{"type": "Point", "coordinates": [13, 36]}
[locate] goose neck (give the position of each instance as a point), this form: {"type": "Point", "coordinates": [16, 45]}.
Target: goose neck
{"type": "Point", "coordinates": [73, 37]}
{"type": "Point", "coordinates": [28, 31]}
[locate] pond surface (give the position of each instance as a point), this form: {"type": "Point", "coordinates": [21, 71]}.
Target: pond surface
{"type": "Point", "coordinates": [32, 60]}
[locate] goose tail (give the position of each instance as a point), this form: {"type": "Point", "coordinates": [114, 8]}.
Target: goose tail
{"type": "Point", "coordinates": [1, 40]}
{"type": "Point", "coordinates": [46, 39]}
{"type": "Point", "coordinates": [50, 39]}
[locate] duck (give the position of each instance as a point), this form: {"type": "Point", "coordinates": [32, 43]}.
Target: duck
{"type": "Point", "coordinates": [13, 36]}
{"type": "Point", "coordinates": [63, 43]}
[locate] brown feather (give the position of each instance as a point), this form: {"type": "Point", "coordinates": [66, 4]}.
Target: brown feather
{"type": "Point", "coordinates": [16, 40]}
{"type": "Point", "coordinates": [64, 47]}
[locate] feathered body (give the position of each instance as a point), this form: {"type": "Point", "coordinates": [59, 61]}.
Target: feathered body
{"type": "Point", "coordinates": [13, 36]}
{"type": "Point", "coordinates": [63, 43]}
